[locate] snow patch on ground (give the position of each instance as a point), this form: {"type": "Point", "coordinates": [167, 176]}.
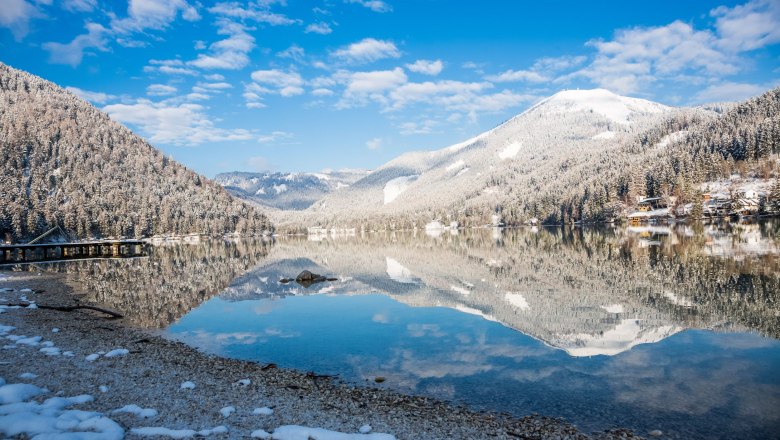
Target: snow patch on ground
{"type": "Point", "coordinates": [264, 411]}
{"type": "Point", "coordinates": [672, 137]}
{"type": "Point", "coordinates": [510, 151]}
{"type": "Point", "coordinates": [151, 431]}
{"type": "Point", "coordinates": [517, 300]}
{"type": "Point", "coordinates": [397, 272]}
{"type": "Point", "coordinates": [612, 106]}
{"type": "Point", "coordinates": [117, 352]}
{"type": "Point", "coordinates": [463, 291]}
{"type": "Point", "coordinates": [20, 416]}
{"type": "Point", "coordinates": [613, 308]}
{"type": "Point", "coordinates": [227, 411]}
{"type": "Point", "coordinates": [187, 385]}
{"type": "Point", "coordinates": [456, 165]}
{"type": "Point", "coordinates": [394, 187]}
{"type": "Point", "coordinates": [294, 432]}
{"type": "Point", "coordinates": [144, 413]}
{"type": "Point", "coordinates": [604, 135]}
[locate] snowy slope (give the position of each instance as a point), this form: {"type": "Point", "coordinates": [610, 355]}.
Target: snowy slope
{"type": "Point", "coordinates": [290, 191]}
{"type": "Point", "coordinates": [559, 132]}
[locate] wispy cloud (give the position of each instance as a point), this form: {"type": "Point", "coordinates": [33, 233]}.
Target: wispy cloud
{"type": "Point", "coordinates": [160, 90]}
{"type": "Point", "coordinates": [174, 124]}
{"type": "Point", "coordinates": [367, 50]}
{"type": "Point", "coordinates": [638, 57]}
{"type": "Point", "coordinates": [374, 5]}
{"type": "Point", "coordinates": [426, 67]}
{"type": "Point", "coordinates": [16, 15]}
{"type": "Point", "coordinates": [321, 28]}
{"type": "Point", "coordinates": [94, 97]}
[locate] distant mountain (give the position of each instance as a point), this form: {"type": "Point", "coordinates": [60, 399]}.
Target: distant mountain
{"type": "Point", "coordinates": [288, 191]}
{"type": "Point", "coordinates": [473, 180]}
{"type": "Point", "coordinates": [577, 156]}
{"type": "Point", "coordinates": [64, 162]}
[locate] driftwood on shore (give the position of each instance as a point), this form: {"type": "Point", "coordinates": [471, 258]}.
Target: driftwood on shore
{"type": "Point", "coordinates": [109, 312]}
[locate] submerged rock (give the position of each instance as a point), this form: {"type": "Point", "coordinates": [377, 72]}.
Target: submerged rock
{"type": "Point", "coordinates": [307, 278]}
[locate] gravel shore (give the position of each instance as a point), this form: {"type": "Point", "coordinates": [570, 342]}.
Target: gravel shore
{"type": "Point", "coordinates": [151, 372]}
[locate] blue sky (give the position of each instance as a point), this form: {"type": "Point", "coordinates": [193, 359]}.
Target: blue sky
{"type": "Point", "coordinates": [310, 85]}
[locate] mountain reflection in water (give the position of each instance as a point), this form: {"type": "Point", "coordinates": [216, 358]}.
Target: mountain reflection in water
{"type": "Point", "coordinates": [671, 328]}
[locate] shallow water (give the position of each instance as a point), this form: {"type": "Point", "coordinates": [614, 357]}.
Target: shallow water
{"type": "Point", "coordinates": [648, 328]}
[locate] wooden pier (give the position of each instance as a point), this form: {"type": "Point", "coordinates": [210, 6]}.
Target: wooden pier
{"type": "Point", "coordinates": [33, 253]}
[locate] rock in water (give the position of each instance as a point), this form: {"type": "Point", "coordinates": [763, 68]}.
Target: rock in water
{"type": "Point", "coordinates": [656, 433]}
{"type": "Point", "coordinates": [307, 276]}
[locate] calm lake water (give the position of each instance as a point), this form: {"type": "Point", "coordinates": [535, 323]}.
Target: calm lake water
{"type": "Point", "coordinates": [648, 328]}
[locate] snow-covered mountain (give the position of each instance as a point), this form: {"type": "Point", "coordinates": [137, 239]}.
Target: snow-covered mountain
{"type": "Point", "coordinates": [287, 191]}
{"type": "Point", "coordinates": [560, 133]}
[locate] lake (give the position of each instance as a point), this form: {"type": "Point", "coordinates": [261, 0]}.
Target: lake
{"type": "Point", "coordinates": [669, 328]}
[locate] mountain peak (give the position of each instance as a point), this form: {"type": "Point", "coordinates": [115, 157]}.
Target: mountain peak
{"type": "Point", "coordinates": [615, 107]}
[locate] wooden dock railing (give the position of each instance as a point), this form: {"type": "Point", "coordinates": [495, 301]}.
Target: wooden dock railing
{"type": "Point", "coordinates": [31, 253]}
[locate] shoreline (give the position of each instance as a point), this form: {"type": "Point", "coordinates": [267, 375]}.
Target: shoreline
{"type": "Point", "coordinates": [147, 370]}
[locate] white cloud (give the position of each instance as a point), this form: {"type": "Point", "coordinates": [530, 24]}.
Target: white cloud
{"type": "Point", "coordinates": [274, 137]}
{"type": "Point", "coordinates": [424, 127]}
{"type": "Point", "coordinates": [94, 97]}
{"type": "Point", "coordinates": [277, 78]}
{"type": "Point", "coordinates": [749, 26]}
{"type": "Point", "coordinates": [363, 87]}
{"type": "Point", "coordinates": [319, 28]}
{"type": "Point", "coordinates": [368, 50]}
{"type": "Point", "coordinates": [436, 91]}
{"type": "Point", "coordinates": [518, 75]}
{"type": "Point", "coordinates": [374, 5]}
{"type": "Point", "coordinates": [72, 53]}
{"type": "Point", "coordinates": [15, 15]}
{"type": "Point", "coordinates": [293, 52]}
{"type": "Point", "coordinates": [79, 5]}
{"type": "Point", "coordinates": [230, 53]}
{"type": "Point", "coordinates": [259, 12]}
{"type": "Point", "coordinates": [274, 81]}
{"type": "Point", "coordinates": [169, 67]}
{"type": "Point", "coordinates": [322, 92]}
{"type": "Point", "coordinates": [182, 124]}
{"type": "Point", "coordinates": [214, 77]}
{"type": "Point", "coordinates": [426, 67]}
{"type": "Point", "coordinates": [216, 86]}
{"type": "Point", "coordinates": [557, 64]}
{"type": "Point", "coordinates": [728, 92]}
{"type": "Point", "coordinates": [152, 14]}
{"type": "Point", "coordinates": [374, 144]}
{"type": "Point", "coordinates": [199, 45]}
{"type": "Point", "coordinates": [638, 57]}
{"type": "Point", "coordinates": [160, 90]}
{"type": "Point", "coordinates": [141, 15]}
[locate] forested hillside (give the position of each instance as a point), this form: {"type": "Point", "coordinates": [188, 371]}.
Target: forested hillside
{"type": "Point", "coordinates": [578, 156]}
{"type": "Point", "coordinates": [63, 162]}
{"type": "Point", "coordinates": [672, 159]}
